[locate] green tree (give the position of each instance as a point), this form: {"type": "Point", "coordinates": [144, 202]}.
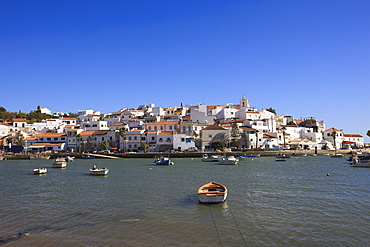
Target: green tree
{"type": "Point", "coordinates": [368, 133]}
{"type": "Point", "coordinates": [19, 139]}
{"type": "Point", "coordinates": [146, 146]}
{"type": "Point", "coordinates": [105, 145]}
{"type": "Point", "coordinates": [271, 110]}
{"type": "Point", "coordinates": [235, 136]}
{"type": "Point", "coordinates": [218, 144]}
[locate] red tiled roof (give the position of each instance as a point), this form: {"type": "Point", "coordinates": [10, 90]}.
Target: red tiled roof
{"type": "Point", "coordinates": [214, 127]}
{"type": "Point", "coordinates": [352, 135]}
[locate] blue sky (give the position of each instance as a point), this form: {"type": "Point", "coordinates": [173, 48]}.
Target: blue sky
{"type": "Point", "coordinates": [302, 58]}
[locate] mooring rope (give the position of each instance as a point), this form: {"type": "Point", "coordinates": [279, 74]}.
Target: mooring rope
{"type": "Point", "coordinates": [214, 222]}
{"type": "Point", "coordinates": [237, 226]}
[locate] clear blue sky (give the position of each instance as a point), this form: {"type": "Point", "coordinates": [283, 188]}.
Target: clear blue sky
{"type": "Point", "coordinates": [302, 58]}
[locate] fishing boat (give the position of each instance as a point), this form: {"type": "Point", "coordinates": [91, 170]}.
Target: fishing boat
{"type": "Point", "coordinates": [282, 156]}
{"type": "Point", "coordinates": [96, 171]}
{"type": "Point", "coordinates": [360, 162]}
{"type": "Point", "coordinates": [39, 171]}
{"type": "Point", "coordinates": [211, 158]}
{"type": "Point", "coordinates": [281, 159]}
{"type": "Point", "coordinates": [164, 161]}
{"type": "Point", "coordinates": [228, 160]}
{"type": "Point", "coordinates": [212, 193]}
{"type": "Point", "coordinates": [252, 155]}
{"type": "Point", "coordinates": [59, 163]}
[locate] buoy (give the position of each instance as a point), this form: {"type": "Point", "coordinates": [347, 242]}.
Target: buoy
{"type": "Point", "coordinates": [328, 174]}
{"type": "Point", "coordinates": [256, 175]}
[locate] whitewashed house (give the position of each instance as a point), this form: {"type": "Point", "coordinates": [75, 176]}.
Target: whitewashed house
{"type": "Point", "coordinates": [353, 141]}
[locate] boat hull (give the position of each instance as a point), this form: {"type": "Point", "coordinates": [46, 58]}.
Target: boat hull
{"type": "Point", "coordinates": [39, 171]}
{"type": "Point", "coordinates": [230, 160]}
{"type": "Point", "coordinates": [212, 193]}
{"type": "Point", "coordinates": [59, 163]}
{"type": "Point", "coordinates": [99, 171]}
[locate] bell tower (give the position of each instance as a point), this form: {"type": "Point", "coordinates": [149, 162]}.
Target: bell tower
{"type": "Point", "coordinates": [244, 103]}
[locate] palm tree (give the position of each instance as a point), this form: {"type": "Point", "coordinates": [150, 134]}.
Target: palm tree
{"type": "Point", "coordinates": [334, 135]}
{"type": "Point", "coordinates": [122, 133]}
{"type": "Point", "coordinates": [284, 129]}
{"type": "Point", "coordinates": [146, 140]}
{"type": "Point", "coordinates": [105, 145]}
{"type": "Point", "coordinates": [257, 138]}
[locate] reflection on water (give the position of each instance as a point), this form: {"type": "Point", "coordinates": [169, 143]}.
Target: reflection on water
{"type": "Point", "coordinates": [292, 203]}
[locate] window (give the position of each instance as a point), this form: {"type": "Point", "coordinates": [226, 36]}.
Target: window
{"type": "Point", "coordinates": [160, 139]}
{"type": "Point", "coordinates": [170, 127]}
{"type": "Point", "coordinates": [153, 138]}
{"type": "Point", "coordinates": [135, 138]}
{"type": "Point", "coordinates": [48, 138]}
{"type": "Point", "coordinates": [161, 127]}
{"type": "Point", "coordinates": [210, 136]}
{"type": "Point", "coordinates": [129, 138]}
{"type": "Point", "coordinates": [102, 138]}
{"type": "Point", "coordinates": [55, 138]}
{"type": "Point", "coordinates": [182, 139]}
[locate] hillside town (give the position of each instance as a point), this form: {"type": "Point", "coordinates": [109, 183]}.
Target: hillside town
{"type": "Point", "coordinates": [149, 128]}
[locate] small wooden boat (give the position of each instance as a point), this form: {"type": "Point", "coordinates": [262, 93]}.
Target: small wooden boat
{"type": "Point", "coordinates": [212, 193]}
{"type": "Point", "coordinates": [360, 162]}
{"type": "Point", "coordinates": [211, 158]}
{"type": "Point", "coordinates": [228, 160]}
{"type": "Point", "coordinates": [96, 171]}
{"type": "Point", "coordinates": [59, 163]}
{"type": "Point", "coordinates": [39, 171]}
{"type": "Point", "coordinates": [281, 159]}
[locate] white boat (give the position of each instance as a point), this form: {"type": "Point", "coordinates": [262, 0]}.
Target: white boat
{"type": "Point", "coordinates": [212, 193]}
{"type": "Point", "coordinates": [99, 171]}
{"type": "Point", "coordinates": [40, 157]}
{"type": "Point", "coordinates": [211, 158]}
{"type": "Point", "coordinates": [69, 159]}
{"type": "Point", "coordinates": [164, 161]}
{"type": "Point", "coordinates": [59, 163]}
{"type": "Point", "coordinates": [228, 160]}
{"type": "Point", "coordinates": [38, 171]}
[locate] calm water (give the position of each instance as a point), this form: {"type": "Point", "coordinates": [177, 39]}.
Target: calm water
{"type": "Point", "coordinates": [305, 201]}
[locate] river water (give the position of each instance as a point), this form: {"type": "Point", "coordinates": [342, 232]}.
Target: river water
{"type": "Point", "coordinates": [305, 201]}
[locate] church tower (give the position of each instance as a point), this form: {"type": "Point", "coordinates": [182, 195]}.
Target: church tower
{"type": "Point", "coordinates": [244, 103]}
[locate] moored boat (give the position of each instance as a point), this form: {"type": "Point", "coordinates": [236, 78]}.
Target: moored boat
{"type": "Point", "coordinates": [228, 160]}
{"type": "Point", "coordinates": [69, 159]}
{"type": "Point", "coordinates": [59, 163]}
{"type": "Point", "coordinates": [38, 171]}
{"type": "Point", "coordinates": [164, 161]}
{"type": "Point", "coordinates": [211, 158]}
{"type": "Point", "coordinates": [96, 171]}
{"type": "Point", "coordinates": [252, 155]}
{"type": "Point", "coordinates": [40, 157]}
{"type": "Point", "coordinates": [360, 162]}
{"type": "Point", "coordinates": [212, 193]}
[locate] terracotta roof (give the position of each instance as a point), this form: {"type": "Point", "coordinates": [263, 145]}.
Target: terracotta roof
{"type": "Point", "coordinates": [214, 127]}
{"type": "Point", "coordinates": [246, 128]}
{"type": "Point", "coordinates": [352, 135]}
{"type": "Point", "coordinates": [52, 134]}
{"type": "Point", "coordinates": [47, 143]}
{"type": "Point", "coordinates": [332, 129]}
{"type": "Point", "coordinates": [165, 133]}
{"type": "Point", "coordinates": [164, 122]}
{"type": "Point", "coordinates": [19, 120]}
{"type": "Point", "coordinates": [87, 132]}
